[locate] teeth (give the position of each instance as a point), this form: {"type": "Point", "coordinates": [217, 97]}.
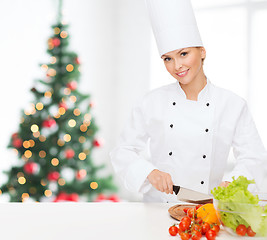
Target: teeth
{"type": "Point", "coordinates": [182, 73]}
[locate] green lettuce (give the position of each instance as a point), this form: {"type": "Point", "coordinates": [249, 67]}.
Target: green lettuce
{"type": "Point", "coordinates": [239, 206]}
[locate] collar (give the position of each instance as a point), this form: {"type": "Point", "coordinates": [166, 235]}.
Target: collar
{"type": "Point", "coordinates": [201, 96]}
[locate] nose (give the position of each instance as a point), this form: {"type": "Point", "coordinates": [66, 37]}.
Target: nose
{"type": "Point", "coordinates": [178, 65]}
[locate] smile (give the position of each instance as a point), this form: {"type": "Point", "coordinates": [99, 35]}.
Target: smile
{"type": "Point", "coordinates": [182, 74]}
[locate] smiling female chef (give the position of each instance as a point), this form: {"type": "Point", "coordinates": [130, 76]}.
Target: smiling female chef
{"type": "Point", "coordinates": [188, 127]}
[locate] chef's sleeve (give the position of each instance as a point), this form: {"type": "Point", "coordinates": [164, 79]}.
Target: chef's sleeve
{"type": "Point", "coordinates": [128, 158]}
{"type": "Point", "coordinates": [248, 149]}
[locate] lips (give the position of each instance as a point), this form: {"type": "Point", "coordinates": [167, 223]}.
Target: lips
{"type": "Point", "coordinates": [182, 74]}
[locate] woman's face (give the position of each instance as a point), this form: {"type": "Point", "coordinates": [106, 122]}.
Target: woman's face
{"type": "Point", "coordinates": [186, 64]}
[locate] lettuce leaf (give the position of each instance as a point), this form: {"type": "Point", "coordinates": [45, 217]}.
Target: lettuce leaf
{"type": "Point", "coordinates": [239, 206]}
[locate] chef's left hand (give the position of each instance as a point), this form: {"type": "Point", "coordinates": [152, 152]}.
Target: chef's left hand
{"type": "Point", "coordinates": [224, 184]}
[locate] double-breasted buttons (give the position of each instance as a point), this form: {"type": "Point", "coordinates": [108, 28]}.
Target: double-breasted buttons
{"type": "Point", "coordinates": [206, 130]}
{"type": "Point", "coordinates": [171, 125]}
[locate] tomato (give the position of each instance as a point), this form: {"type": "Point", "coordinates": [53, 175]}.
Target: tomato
{"type": "Point", "coordinates": [186, 209]}
{"type": "Point", "coordinates": [205, 228]}
{"type": "Point", "coordinates": [215, 228]}
{"type": "Point", "coordinates": [184, 236]}
{"type": "Point", "coordinates": [198, 206]}
{"type": "Point", "coordinates": [196, 235]}
{"type": "Point", "coordinates": [241, 230]}
{"type": "Point", "coordinates": [198, 220]}
{"type": "Point", "coordinates": [173, 230]}
{"type": "Point", "coordinates": [250, 232]}
{"type": "Point", "coordinates": [197, 227]}
{"type": "Point", "coordinates": [210, 235]}
{"type": "Point", "coordinates": [192, 213]}
{"type": "Point", "coordinates": [186, 219]}
{"type": "Point", "coordinates": [184, 225]}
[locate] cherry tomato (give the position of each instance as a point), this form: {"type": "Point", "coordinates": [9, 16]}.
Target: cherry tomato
{"type": "Point", "coordinates": [196, 235]}
{"type": "Point", "coordinates": [192, 213]}
{"type": "Point", "coordinates": [198, 221]}
{"type": "Point", "coordinates": [186, 209]}
{"type": "Point", "coordinates": [184, 225]}
{"type": "Point", "coordinates": [241, 230]}
{"type": "Point", "coordinates": [186, 219]}
{"type": "Point", "coordinates": [184, 236]}
{"type": "Point", "coordinates": [198, 206]}
{"type": "Point", "coordinates": [173, 230]}
{"type": "Point", "coordinates": [250, 232]}
{"type": "Point", "coordinates": [215, 228]}
{"type": "Point", "coordinates": [210, 235]}
{"type": "Point", "coordinates": [205, 228]}
{"type": "Point", "coordinates": [197, 227]}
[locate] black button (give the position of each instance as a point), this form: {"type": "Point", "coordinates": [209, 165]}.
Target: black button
{"type": "Point", "coordinates": [171, 125]}
{"type": "Point", "coordinates": [170, 153]}
{"type": "Point", "coordinates": [204, 156]}
{"type": "Point", "coordinates": [173, 103]}
{"type": "Point", "coordinates": [202, 182]}
{"type": "Point", "coordinates": [207, 104]}
{"type": "Point", "coordinates": [207, 130]}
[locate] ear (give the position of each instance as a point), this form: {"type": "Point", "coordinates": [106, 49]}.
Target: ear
{"type": "Point", "coordinates": [203, 52]}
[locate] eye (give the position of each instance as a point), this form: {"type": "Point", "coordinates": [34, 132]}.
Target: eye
{"type": "Point", "coordinates": [184, 54]}
{"type": "Point", "coordinates": [167, 59]}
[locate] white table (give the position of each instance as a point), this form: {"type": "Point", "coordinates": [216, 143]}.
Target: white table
{"type": "Point", "coordinates": [94, 221]}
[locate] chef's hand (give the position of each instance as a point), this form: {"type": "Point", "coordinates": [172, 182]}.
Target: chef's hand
{"type": "Point", "coordinates": [162, 181]}
{"type": "Point", "coordinates": [224, 184]}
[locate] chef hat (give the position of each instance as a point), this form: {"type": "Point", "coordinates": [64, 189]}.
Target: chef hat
{"type": "Point", "coordinates": [174, 24]}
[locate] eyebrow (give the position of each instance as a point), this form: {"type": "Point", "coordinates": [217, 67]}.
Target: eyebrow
{"type": "Point", "coordinates": [168, 56]}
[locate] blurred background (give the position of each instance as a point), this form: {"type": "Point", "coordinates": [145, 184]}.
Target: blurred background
{"type": "Point", "coordinates": [120, 61]}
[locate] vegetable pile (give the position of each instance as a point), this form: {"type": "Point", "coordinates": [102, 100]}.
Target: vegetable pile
{"type": "Point", "coordinates": [239, 209]}
{"type": "Point", "coordinates": [199, 220]}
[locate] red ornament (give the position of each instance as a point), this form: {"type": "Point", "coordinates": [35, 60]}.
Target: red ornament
{"type": "Point", "coordinates": [69, 153]}
{"type": "Point", "coordinates": [30, 168]}
{"type": "Point", "coordinates": [53, 176]}
{"type": "Point", "coordinates": [97, 143]}
{"type": "Point", "coordinates": [77, 60]}
{"type": "Point", "coordinates": [17, 142]}
{"type": "Point", "coordinates": [100, 198]}
{"type": "Point", "coordinates": [62, 196]}
{"type": "Point", "coordinates": [72, 85]}
{"type": "Point", "coordinates": [48, 123]}
{"type": "Point", "coordinates": [92, 104]}
{"type": "Point", "coordinates": [81, 174]}
{"type": "Point", "coordinates": [113, 198]}
{"type": "Point", "coordinates": [15, 135]}
{"type": "Point", "coordinates": [56, 42]}
{"type": "Point", "coordinates": [74, 197]}
{"type": "Point", "coordinates": [63, 105]}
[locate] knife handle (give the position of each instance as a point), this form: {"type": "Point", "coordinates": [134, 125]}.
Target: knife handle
{"type": "Point", "coordinates": [176, 189]}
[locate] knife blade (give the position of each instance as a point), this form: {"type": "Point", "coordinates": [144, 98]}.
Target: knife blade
{"type": "Point", "coordinates": [191, 196]}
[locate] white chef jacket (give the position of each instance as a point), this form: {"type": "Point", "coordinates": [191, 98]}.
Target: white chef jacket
{"type": "Point", "coordinates": [188, 139]}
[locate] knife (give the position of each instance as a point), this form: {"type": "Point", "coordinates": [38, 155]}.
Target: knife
{"type": "Point", "coordinates": [191, 196]}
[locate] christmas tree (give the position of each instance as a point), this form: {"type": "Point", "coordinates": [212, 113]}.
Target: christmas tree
{"type": "Point", "coordinates": [57, 135]}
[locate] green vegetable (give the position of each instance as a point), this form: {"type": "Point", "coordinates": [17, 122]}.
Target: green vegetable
{"type": "Point", "coordinates": [239, 206]}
